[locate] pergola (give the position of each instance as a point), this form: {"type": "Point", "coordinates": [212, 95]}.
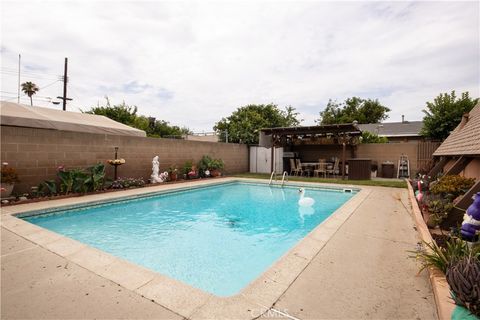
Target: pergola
{"type": "Point", "coordinates": [341, 134]}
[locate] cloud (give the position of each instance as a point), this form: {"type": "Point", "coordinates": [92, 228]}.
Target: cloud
{"type": "Point", "coordinates": [194, 63]}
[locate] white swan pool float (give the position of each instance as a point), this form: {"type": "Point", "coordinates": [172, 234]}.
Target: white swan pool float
{"type": "Point", "coordinates": [305, 201]}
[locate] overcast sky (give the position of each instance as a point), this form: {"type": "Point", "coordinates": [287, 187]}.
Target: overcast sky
{"type": "Point", "coordinates": [192, 63]}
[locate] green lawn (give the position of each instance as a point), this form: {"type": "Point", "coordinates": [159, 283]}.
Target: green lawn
{"type": "Point", "coordinates": [378, 183]}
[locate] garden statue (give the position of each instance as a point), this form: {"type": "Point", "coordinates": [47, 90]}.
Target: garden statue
{"type": "Point", "coordinates": [471, 220]}
{"type": "Point", "coordinates": [157, 177]}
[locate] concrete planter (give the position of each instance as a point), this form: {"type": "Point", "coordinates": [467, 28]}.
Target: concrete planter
{"type": "Point", "coordinates": [441, 289]}
{"type": "Point", "coordinates": [8, 189]}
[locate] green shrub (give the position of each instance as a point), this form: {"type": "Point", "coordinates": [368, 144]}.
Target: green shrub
{"type": "Point", "coordinates": [72, 181]}
{"type": "Point", "coordinates": [217, 164]}
{"type": "Point", "coordinates": [452, 186]}
{"type": "Point", "coordinates": [47, 187]}
{"type": "Point", "coordinates": [187, 167]}
{"type": "Point", "coordinates": [96, 177]}
{"type": "Point", "coordinates": [439, 210]}
{"type": "Point", "coordinates": [75, 180]}
{"type": "Point", "coordinates": [204, 165]}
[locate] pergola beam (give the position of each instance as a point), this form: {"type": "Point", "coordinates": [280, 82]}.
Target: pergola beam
{"type": "Point", "coordinates": [335, 129]}
{"type": "Point", "coordinates": [459, 165]}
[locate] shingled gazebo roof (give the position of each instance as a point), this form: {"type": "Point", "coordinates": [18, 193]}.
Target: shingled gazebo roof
{"type": "Point", "coordinates": [465, 139]}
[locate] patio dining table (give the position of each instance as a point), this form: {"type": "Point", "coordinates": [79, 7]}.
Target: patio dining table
{"type": "Point", "coordinates": [314, 164]}
{"type": "Point", "coordinates": [329, 165]}
{"type": "Point", "coordinates": [309, 166]}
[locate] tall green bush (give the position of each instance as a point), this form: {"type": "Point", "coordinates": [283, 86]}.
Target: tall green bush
{"type": "Point", "coordinates": [370, 137]}
{"type": "Point", "coordinates": [452, 186]}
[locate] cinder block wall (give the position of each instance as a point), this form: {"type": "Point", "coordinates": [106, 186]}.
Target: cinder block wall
{"type": "Point", "coordinates": [36, 153]}
{"type": "Point", "coordinates": [382, 152]}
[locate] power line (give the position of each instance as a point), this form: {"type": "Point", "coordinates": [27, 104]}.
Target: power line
{"type": "Point", "coordinates": [25, 100]}
{"type": "Point", "coordinates": [48, 85]}
{"type": "Point", "coordinates": [29, 76]}
{"type": "Point", "coordinates": [36, 96]}
{"type": "Point", "coordinates": [6, 69]}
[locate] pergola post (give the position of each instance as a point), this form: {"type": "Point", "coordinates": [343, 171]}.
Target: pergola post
{"type": "Point", "coordinates": [343, 158]}
{"type": "Point", "coordinates": [272, 155]}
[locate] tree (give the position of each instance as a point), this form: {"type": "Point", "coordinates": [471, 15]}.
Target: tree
{"type": "Point", "coordinates": [353, 109]}
{"type": "Point", "coordinates": [370, 137]}
{"type": "Point", "coordinates": [242, 125]}
{"type": "Point", "coordinates": [126, 114]}
{"type": "Point", "coordinates": [30, 88]}
{"type": "Point", "coordinates": [120, 113]}
{"type": "Point", "coordinates": [445, 113]}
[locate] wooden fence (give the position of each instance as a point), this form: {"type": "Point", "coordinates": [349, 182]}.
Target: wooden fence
{"type": "Point", "coordinates": [425, 154]}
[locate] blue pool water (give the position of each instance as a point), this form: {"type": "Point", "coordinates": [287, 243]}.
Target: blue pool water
{"type": "Point", "coordinates": [216, 238]}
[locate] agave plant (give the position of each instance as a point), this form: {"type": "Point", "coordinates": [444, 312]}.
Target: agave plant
{"type": "Point", "coordinates": [464, 280]}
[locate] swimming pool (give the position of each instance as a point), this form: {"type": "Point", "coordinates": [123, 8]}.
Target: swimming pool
{"type": "Point", "coordinates": [216, 238]}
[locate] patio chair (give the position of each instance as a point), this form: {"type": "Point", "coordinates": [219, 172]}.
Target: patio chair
{"type": "Point", "coordinates": [335, 169]}
{"type": "Point", "coordinates": [320, 168]}
{"type": "Point", "coordinates": [294, 170]}
{"type": "Point", "coordinates": [303, 170]}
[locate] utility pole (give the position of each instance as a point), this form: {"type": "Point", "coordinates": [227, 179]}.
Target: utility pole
{"type": "Point", "coordinates": [18, 97]}
{"type": "Point", "coordinates": [65, 80]}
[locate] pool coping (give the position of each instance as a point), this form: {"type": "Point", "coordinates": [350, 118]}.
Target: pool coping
{"type": "Point", "coordinates": [251, 302]}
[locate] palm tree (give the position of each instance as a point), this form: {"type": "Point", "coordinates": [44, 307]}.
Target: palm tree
{"type": "Point", "coordinates": [30, 88]}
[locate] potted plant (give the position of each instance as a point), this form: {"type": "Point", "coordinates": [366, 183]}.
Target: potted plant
{"type": "Point", "coordinates": [190, 170]}
{"type": "Point", "coordinates": [204, 166]}
{"type": "Point", "coordinates": [216, 165]}
{"type": "Point", "coordinates": [173, 172]}
{"type": "Point", "coordinates": [8, 178]}
{"type": "Point", "coordinates": [193, 173]}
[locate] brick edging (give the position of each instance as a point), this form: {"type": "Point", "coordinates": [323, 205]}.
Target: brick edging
{"type": "Point", "coordinates": [441, 290]}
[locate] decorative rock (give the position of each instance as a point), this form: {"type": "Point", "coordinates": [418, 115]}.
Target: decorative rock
{"type": "Point", "coordinates": [23, 198]}
{"type": "Point", "coordinates": [5, 201]}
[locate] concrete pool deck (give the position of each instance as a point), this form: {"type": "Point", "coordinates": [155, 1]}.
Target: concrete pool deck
{"type": "Point", "coordinates": [360, 270]}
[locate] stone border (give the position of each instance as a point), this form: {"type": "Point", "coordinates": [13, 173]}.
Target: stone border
{"type": "Point", "coordinates": [255, 299]}
{"type": "Point", "coordinates": [441, 290]}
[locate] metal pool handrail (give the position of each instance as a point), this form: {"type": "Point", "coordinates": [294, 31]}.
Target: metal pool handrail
{"type": "Point", "coordinates": [271, 178]}
{"type": "Point", "coordinates": [285, 174]}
